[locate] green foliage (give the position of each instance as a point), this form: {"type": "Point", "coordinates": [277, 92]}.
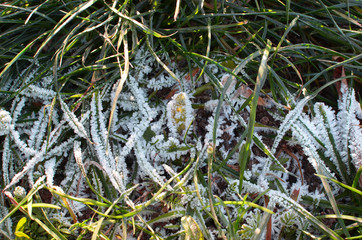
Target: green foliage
{"type": "Point", "coordinates": [139, 115]}
{"type": "Point", "coordinates": [192, 229]}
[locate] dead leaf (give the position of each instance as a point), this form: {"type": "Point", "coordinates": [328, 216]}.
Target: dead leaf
{"type": "Point", "coordinates": [246, 92]}
{"type": "Point", "coordinates": [269, 227]}
{"type": "Point", "coordinates": [295, 194]}
{"type": "Point", "coordinates": [194, 72]}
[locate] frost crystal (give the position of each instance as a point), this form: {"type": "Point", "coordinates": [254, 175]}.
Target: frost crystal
{"type": "Point", "coordinates": [292, 116]}
{"type": "Point", "coordinates": [19, 193]}
{"type": "Point", "coordinates": [39, 93]}
{"type": "Point", "coordinates": [5, 120]}
{"type": "Point", "coordinates": [73, 121]}
{"type": "Point", "coordinates": [152, 138]}
{"type": "Point", "coordinates": [179, 114]}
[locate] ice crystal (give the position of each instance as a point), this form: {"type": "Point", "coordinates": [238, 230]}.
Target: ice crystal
{"type": "Point", "coordinates": [161, 82]}
{"type": "Point", "coordinates": [104, 152]}
{"type": "Point", "coordinates": [36, 92]}
{"type": "Point", "coordinates": [179, 114]}
{"type": "Point", "coordinates": [150, 142]}
{"type": "Point", "coordinates": [74, 123]}
{"type": "Point", "coordinates": [336, 137]}
{"type": "Point", "coordinates": [5, 120]}
{"type": "Point", "coordinates": [310, 150]}
{"type": "Point", "coordinates": [6, 227]}
{"type": "Point", "coordinates": [252, 222]}
{"type": "Point", "coordinates": [49, 171]}
{"type": "Point", "coordinates": [288, 218]}
{"type": "Point", "coordinates": [291, 117]}
{"type": "Point", "coordinates": [19, 193]}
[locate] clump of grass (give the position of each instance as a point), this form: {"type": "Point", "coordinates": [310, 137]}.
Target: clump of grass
{"type": "Point", "coordinates": [142, 118]}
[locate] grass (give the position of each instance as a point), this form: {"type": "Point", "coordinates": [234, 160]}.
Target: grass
{"type": "Point", "coordinates": [180, 119]}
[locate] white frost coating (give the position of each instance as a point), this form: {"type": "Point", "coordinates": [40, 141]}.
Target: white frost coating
{"type": "Point", "coordinates": [98, 132]}
{"type": "Point", "coordinates": [161, 82]}
{"type": "Point", "coordinates": [146, 115]}
{"type": "Point", "coordinates": [61, 149]}
{"type": "Point", "coordinates": [78, 157]}
{"type": "Point", "coordinates": [29, 170]}
{"type": "Point", "coordinates": [340, 135]}
{"type": "Point", "coordinates": [50, 171]}
{"type": "Point", "coordinates": [36, 92]}
{"type": "Point", "coordinates": [288, 121]}
{"type": "Point", "coordinates": [356, 146]}
{"type": "Point", "coordinates": [74, 123]}
{"type": "Point", "coordinates": [6, 157]}
{"type": "Point", "coordinates": [345, 116]}
{"type": "Point", "coordinates": [325, 122]}
{"type": "Point", "coordinates": [211, 105]}
{"type": "Point", "coordinates": [5, 121]}
{"type": "Point", "coordinates": [179, 114]}
{"type": "Point", "coordinates": [358, 110]}
{"type": "Point", "coordinates": [17, 107]}
{"type": "Point", "coordinates": [351, 136]}
{"type": "Point", "coordinates": [6, 227]}
{"type": "Point", "coordinates": [210, 130]}
{"type": "Point", "coordinates": [126, 101]}
{"type": "Point", "coordinates": [310, 126]}
{"type": "Point", "coordinates": [310, 150]}
{"type": "Point", "coordinates": [147, 169]}
{"type": "Point", "coordinates": [29, 165]}
{"type": "Point", "coordinates": [21, 144]}
{"type": "Point", "coordinates": [38, 130]}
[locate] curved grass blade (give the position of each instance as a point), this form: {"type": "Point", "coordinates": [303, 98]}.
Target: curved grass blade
{"type": "Point", "coordinates": [346, 217]}
{"type": "Point", "coordinates": [33, 191]}
{"type": "Point", "coordinates": [192, 229]}
{"type": "Point", "coordinates": [31, 11]}
{"type": "Point", "coordinates": [146, 29]}
{"type": "Point", "coordinates": [301, 211]}
{"type": "Point", "coordinates": [124, 76]}
{"type": "Point", "coordinates": [351, 188]}
{"type": "Point", "coordinates": [73, 121]}
{"type": "Point", "coordinates": [100, 221]}
{"type": "Point", "coordinates": [64, 21]}
{"type": "Point", "coordinates": [160, 61]}
{"type": "Point", "coordinates": [260, 80]}
{"type": "Point", "coordinates": [25, 49]}
{"type": "Point", "coordinates": [357, 177]}
{"type": "Point", "coordinates": [243, 203]}
{"type": "Point", "coordinates": [333, 202]}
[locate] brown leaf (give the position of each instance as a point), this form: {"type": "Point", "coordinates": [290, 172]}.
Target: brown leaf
{"type": "Point", "coordinates": [295, 194]}
{"type": "Point", "coordinates": [194, 72]}
{"type": "Point", "coordinates": [246, 92]}
{"type": "Point", "coordinates": [269, 227]}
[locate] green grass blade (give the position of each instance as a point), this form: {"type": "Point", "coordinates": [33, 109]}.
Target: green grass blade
{"type": "Point", "coordinates": [21, 53]}
{"type": "Point", "coordinates": [333, 203]}
{"type": "Point", "coordinates": [357, 177]}
{"type": "Point", "coordinates": [29, 10]}
{"type": "Point", "coordinates": [260, 80]}
{"type": "Point", "coordinates": [351, 188]}
{"type": "Point", "coordinates": [346, 217]}
{"type": "Point", "coordinates": [300, 210]}
{"type": "Point", "coordinates": [95, 235]}
{"type": "Point", "coordinates": [64, 21]}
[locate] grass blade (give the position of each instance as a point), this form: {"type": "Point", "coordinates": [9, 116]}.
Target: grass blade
{"type": "Point", "coordinates": [260, 80]}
